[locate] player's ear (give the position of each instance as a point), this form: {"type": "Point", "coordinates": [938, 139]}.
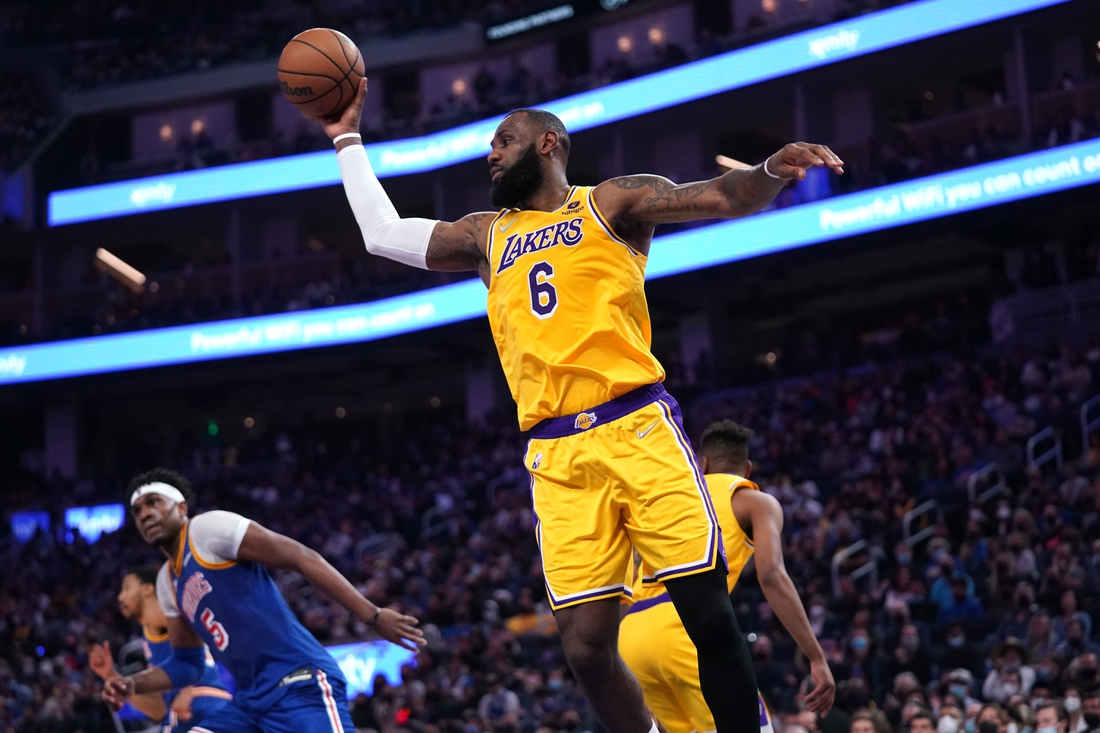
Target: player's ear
{"type": "Point", "coordinates": [704, 464]}
{"type": "Point", "coordinates": [748, 469]}
{"type": "Point", "coordinates": [549, 142]}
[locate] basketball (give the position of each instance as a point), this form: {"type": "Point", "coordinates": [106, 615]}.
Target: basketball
{"type": "Point", "coordinates": [319, 71]}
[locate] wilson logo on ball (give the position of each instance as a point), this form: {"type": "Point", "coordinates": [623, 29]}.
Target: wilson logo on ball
{"type": "Point", "coordinates": [296, 91]}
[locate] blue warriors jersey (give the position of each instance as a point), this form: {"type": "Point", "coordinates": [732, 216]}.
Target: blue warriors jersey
{"type": "Point", "coordinates": [237, 610]}
{"type": "Point", "coordinates": [157, 650]}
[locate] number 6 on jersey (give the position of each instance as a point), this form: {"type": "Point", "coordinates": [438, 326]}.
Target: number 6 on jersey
{"type": "Point", "coordinates": [544, 297]}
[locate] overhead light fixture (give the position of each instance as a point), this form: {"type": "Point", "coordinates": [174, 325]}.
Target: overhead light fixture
{"type": "Point", "coordinates": [730, 163]}
{"type": "Point", "coordinates": [107, 263]}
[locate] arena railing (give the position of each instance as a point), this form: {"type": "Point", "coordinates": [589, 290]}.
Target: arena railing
{"type": "Point", "coordinates": [918, 512]}
{"type": "Point", "coordinates": [1000, 486]}
{"type": "Point", "coordinates": [1054, 453]}
{"type": "Point", "coordinates": [1089, 426]}
{"type": "Point", "coordinates": [868, 569]}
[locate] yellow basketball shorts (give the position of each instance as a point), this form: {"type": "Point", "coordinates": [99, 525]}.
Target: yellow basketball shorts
{"type": "Point", "coordinates": [657, 649]}
{"type": "Point", "coordinates": [622, 474]}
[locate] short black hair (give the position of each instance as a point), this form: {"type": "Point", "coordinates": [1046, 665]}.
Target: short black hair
{"type": "Point", "coordinates": [546, 121]}
{"type": "Point", "coordinates": [925, 715]}
{"type": "Point", "coordinates": [728, 440]}
{"type": "Point", "coordinates": [146, 574]}
{"type": "Point", "coordinates": [1059, 710]}
{"type": "Point", "coordinates": [163, 476]}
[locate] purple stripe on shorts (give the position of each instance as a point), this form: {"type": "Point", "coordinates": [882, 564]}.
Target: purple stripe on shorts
{"type": "Point", "coordinates": [561, 427]}
{"type": "Point", "coordinates": [649, 603]}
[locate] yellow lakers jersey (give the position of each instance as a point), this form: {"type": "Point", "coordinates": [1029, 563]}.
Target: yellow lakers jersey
{"type": "Point", "coordinates": [738, 546]}
{"type": "Point", "coordinates": [567, 309]}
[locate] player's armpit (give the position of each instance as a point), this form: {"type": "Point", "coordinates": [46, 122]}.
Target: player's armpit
{"type": "Point", "coordinates": [459, 245]}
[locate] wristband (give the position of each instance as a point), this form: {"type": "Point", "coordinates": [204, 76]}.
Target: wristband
{"type": "Point", "coordinates": [345, 136]}
{"type": "Point", "coordinates": [377, 613]}
{"type": "Point", "coordinates": [765, 170]}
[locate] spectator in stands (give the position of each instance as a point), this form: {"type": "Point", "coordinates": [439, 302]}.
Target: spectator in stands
{"type": "Point", "coordinates": [1019, 621]}
{"type": "Point", "coordinates": [1010, 674]}
{"type": "Point", "coordinates": [910, 656]}
{"type": "Point", "coordinates": [1070, 607]}
{"type": "Point", "coordinates": [961, 606]}
{"type": "Point", "coordinates": [1051, 718]}
{"type": "Point", "coordinates": [994, 717]}
{"type": "Point", "coordinates": [922, 722]}
{"type": "Point", "coordinates": [870, 721]}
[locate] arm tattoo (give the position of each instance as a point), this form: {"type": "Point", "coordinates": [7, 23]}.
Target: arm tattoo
{"type": "Point", "coordinates": [457, 246]}
{"type": "Point", "coordinates": [736, 193]}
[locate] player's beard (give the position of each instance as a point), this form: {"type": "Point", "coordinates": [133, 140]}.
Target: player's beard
{"type": "Point", "coordinates": [519, 182]}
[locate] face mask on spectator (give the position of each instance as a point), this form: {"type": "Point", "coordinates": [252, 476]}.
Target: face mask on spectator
{"type": "Point", "coordinates": [947, 724]}
{"type": "Point", "coordinates": [554, 684]}
{"type": "Point", "coordinates": [1003, 513]}
{"type": "Point", "coordinates": [859, 643]}
{"type": "Point", "coordinates": [1092, 720]}
{"type": "Point", "coordinates": [1010, 689]}
{"type": "Point", "coordinates": [910, 642]}
{"type": "Point", "coordinates": [960, 692]}
{"type": "Point", "coordinates": [903, 558]}
{"type": "Point", "coordinates": [955, 641]}
{"type": "Point", "coordinates": [1087, 673]}
{"type": "Point", "coordinates": [1072, 704]}
{"type": "Point", "coordinates": [1047, 729]}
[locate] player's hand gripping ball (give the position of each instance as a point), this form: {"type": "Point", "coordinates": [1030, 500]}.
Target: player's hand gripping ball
{"type": "Point", "coordinates": [319, 72]}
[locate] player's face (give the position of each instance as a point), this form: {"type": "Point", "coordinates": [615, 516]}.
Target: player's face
{"type": "Point", "coordinates": [515, 165]}
{"type": "Point", "coordinates": [130, 597]}
{"type": "Point", "coordinates": [158, 519]}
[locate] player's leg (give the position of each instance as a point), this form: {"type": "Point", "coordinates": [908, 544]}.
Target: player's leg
{"type": "Point", "coordinates": [726, 675]}
{"type": "Point", "coordinates": [585, 558]}
{"type": "Point", "coordinates": [317, 705]}
{"type": "Point", "coordinates": [657, 650]}
{"type": "Point", "coordinates": [673, 526]}
{"type": "Point", "coordinates": [589, 636]}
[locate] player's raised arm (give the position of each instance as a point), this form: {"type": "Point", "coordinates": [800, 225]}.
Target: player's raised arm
{"type": "Point", "coordinates": [424, 243]}
{"type": "Point", "coordinates": [647, 199]}
{"type": "Point", "coordinates": [765, 516]}
{"type": "Point", "coordinates": [274, 550]}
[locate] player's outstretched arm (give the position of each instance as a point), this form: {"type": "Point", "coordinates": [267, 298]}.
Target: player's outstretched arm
{"type": "Point", "coordinates": [766, 517]}
{"type": "Point", "coordinates": [647, 199]}
{"type": "Point", "coordinates": [274, 550]}
{"type": "Point", "coordinates": [424, 243]}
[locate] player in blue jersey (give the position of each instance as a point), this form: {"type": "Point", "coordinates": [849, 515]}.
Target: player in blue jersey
{"type": "Point", "coordinates": [215, 588]}
{"type": "Point", "coordinates": [178, 709]}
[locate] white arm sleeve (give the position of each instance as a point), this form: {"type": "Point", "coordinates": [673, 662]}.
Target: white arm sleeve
{"type": "Point", "coordinates": [166, 596]}
{"type": "Point", "coordinates": [386, 233]}
{"type": "Point", "coordinates": [216, 536]}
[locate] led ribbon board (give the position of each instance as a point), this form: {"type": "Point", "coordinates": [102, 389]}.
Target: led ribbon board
{"type": "Point", "coordinates": [932, 197]}
{"type": "Point", "coordinates": [364, 661]}
{"type": "Point", "coordinates": [783, 56]}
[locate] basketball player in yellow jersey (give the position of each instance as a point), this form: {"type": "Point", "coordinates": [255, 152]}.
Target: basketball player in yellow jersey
{"type": "Point", "coordinates": [752, 523]}
{"type": "Point", "coordinates": [610, 464]}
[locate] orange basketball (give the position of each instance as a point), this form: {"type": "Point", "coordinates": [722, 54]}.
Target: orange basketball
{"type": "Point", "coordinates": [319, 71]}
